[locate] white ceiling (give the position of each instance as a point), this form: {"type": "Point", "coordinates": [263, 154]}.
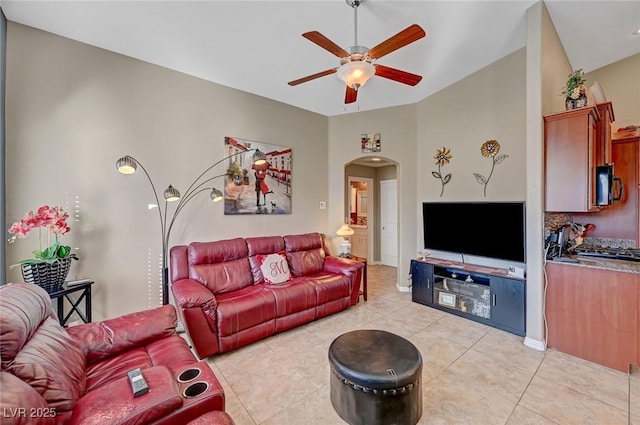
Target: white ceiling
{"type": "Point", "coordinates": [257, 47]}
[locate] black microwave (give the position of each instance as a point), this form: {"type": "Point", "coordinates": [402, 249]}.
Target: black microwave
{"type": "Point", "coordinates": [606, 185]}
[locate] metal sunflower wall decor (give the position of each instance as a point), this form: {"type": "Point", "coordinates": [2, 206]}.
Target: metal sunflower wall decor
{"type": "Point", "coordinates": [442, 157]}
{"type": "Point", "coordinates": [490, 149]}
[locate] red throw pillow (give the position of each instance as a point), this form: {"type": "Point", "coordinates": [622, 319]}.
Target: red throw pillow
{"type": "Point", "coordinates": [274, 268]}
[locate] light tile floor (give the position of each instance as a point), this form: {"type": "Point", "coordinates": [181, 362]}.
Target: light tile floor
{"type": "Point", "coordinates": [472, 374]}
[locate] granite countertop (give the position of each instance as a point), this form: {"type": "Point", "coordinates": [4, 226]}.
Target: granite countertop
{"type": "Point", "coordinates": [603, 264]}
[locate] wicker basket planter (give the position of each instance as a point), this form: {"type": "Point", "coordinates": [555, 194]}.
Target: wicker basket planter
{"type": "Point", "coordinates": [48, 276]}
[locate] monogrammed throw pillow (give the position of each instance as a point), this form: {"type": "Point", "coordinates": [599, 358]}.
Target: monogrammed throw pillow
{"type": "Point", "coordinates": [274, 268]}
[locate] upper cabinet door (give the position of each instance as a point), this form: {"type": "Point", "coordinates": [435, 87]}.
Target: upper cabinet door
{"type": "Point", "coordinates": [570, 160]}
{"type": "Point", "coordinates": [603, 133]}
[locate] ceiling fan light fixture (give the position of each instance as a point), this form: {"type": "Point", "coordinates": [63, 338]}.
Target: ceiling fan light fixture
{"type": "Point", "coordinates": [356, 74]}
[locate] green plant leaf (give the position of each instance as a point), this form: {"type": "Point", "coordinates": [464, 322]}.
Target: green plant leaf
{"type": "Point", "coordinates": [48, 253]}
{"type": "Point", "coordinates": [63, 251]}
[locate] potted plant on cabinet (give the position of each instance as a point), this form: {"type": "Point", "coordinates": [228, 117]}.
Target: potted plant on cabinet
{"type": "Point", "coordinates": [575, 92]}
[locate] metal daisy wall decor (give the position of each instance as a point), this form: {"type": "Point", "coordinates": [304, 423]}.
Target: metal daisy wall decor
{"type": "Point", "coordinates": [490, 149]}
{"type": "Point", "coordinates": [442, 157]}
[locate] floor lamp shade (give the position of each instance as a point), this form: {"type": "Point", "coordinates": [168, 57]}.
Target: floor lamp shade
{"type": "Point", "coordinates": [129, 165]}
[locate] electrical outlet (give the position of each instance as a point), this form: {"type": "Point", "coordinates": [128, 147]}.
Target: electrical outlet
{"type": "Point", "coordinates": [323, 205]}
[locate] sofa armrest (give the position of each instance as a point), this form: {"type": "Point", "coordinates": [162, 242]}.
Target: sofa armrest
{"type": "Point", "coordinates": [115, 404]}
{"type": "Point", "coordinates": [113, 336]}
{"type": "Point", "coordinates": [21, 404]}
{"type": "Point", "coordinates": [342, 265]}
{"type": "Point", "coordinates": [197, 307]}
{"type": "Point", "coordinates": [350, 268]}
{"type": "Point", "coordinates": [188, 294]}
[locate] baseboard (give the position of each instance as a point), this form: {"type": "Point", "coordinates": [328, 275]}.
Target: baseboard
{"type": "Point", "coordinates": [403, 288]}
{"type": "Point", "coordinates": [536, 344]}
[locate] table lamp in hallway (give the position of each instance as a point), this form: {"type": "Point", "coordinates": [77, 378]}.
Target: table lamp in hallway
{"type": "Point", "coordinates": [345, 247]}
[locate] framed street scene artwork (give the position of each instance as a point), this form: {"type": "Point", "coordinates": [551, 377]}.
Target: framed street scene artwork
{"type": "Point", "coordinates": [257, 189]}
{"type": "Point", "coordinates": [371, 142]}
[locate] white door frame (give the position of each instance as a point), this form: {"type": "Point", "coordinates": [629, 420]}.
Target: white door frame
{"type": "Point", "coordinates": [383, 182]}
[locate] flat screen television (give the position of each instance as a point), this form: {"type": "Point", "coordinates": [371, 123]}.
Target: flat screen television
{"type": "Point", "coordinates": [486, 229]}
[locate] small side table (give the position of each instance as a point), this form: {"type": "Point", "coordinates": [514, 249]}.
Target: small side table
{"type": "Point", "coordinates": [364, 275]}
{"type": "Point", "coordinates": [64, 293]}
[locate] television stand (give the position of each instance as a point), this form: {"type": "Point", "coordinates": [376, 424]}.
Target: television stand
{"type": "Point", "coordinates": [483, 294]}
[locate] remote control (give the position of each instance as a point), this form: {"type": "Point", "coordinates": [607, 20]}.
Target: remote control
{"type": "Point", "coordinates": [138, 384]}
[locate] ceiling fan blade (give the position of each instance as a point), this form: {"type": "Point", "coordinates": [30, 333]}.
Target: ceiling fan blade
{"type": "Point", "coordinates": [351, 95]}
{"type": "Point", "coordinates": [312, 77]}
{"type": "Point", "coordinates": [403, 77]}
{"type": "Point", "coordinates": [401, 39]}
{"type": "Point", "coordinates": [325, 43]}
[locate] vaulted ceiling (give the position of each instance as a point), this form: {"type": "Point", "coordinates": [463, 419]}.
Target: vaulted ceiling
{"type": "Point", "coordinates": [257, 46]}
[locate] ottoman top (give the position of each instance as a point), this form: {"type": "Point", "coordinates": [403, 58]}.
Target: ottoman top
{"type": "Point", "coordinates": [375, 359]}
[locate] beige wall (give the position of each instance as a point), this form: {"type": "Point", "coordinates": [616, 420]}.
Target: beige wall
{"type": "Point", "coordinates": [397, 126]}
{"type": "Point", "coordinates": [553, 64]}
{"type": "Point", "coordinates": [73, 110]}
{"type": "Point", "coordinates": [620, 82]}
{"type": "Point", "coordinates": [489, 104]}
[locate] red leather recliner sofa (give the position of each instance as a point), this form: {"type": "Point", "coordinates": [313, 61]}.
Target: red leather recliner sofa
{"type": "Point", "coordinates": [78, 375]}
{"type": "Point", "coordinates": [225, 302]}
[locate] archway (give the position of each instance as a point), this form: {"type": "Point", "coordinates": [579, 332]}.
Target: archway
{"type": "Point", "coordinates": [363, 177]}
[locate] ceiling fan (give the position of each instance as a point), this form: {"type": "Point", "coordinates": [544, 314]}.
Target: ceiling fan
{"type": "Point", "coordinates": [356, 63]}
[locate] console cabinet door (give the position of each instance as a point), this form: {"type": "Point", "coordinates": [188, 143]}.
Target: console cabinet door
{"type": "Point", "coordinates": [421, 282]}
{"type": "Point", "coordinates": [508, 304]}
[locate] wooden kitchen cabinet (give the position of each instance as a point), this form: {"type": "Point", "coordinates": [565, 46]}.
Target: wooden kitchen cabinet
{"type": "Point", "coordinates": [593, 314]}
{"type": "Point", "coordinates": [603, 133]}
{"type": "Point", "coordinates": [570, 160]}
{"type": "Point", "coordinates": [621, 220]}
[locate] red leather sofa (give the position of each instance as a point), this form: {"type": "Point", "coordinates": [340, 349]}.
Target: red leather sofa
{"type": "Point", "coordinates": [78, 375]}
{"type": "Point", "coordinates": [225, 301]}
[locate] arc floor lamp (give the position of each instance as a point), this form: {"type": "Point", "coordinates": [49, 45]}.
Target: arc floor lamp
{"type": "Point", "coordinates": [128, 165]}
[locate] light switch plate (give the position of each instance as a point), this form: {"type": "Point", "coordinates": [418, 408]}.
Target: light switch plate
{"type": "Point", "coordinates": [323, 205]}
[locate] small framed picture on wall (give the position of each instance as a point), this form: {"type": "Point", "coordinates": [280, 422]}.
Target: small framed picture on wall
{"type": "Point", "coordinates": [371, 142]}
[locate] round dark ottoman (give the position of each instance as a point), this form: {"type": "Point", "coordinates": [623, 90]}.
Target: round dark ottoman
{"type": "Point", "coordinates": [375, 378]}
